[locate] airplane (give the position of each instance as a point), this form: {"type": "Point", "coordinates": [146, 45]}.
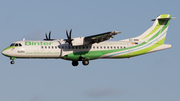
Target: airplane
{"type": "Point", "coordinates": [93, 47]}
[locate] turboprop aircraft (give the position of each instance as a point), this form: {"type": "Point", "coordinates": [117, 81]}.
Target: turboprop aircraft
{"type": "Point", "coordinates": [93, 47]}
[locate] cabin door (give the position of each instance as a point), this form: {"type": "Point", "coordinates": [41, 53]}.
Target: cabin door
{"type": "Point", "coordinates": [130, 47]}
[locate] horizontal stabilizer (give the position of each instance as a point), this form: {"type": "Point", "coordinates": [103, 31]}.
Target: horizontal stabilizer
{"type": "Point", "coordinates": [164, 18]}
{"type": "Point", "coordinates": [162, 47]}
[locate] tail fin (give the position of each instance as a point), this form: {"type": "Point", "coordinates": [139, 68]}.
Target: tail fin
{"type": "Point", "coordinates": [157, 31]}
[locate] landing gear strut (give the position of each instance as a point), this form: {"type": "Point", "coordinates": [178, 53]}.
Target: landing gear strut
{"type": "Point", "coordinates": [12, 58]}
{"type": "Point", "coordinates": [84, 60]}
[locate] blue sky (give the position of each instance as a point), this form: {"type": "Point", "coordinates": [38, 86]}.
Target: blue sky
{"type": "Point", "coordinates": [150, 77]}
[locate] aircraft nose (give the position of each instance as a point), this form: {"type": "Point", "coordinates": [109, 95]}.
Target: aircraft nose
{"type": "Point", "coordinates": [4, 52]}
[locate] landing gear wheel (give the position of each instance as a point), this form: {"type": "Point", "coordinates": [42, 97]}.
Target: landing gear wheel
{"type": "Point", "coordinates": [85, 62]}
{"type": "Point", "coordinates": [75, 63]}
{"type": "Point", "coordinates": [12, 62]}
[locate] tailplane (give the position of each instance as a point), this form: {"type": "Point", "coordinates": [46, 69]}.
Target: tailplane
{"type": "Point", "coordinates": [161, 47]}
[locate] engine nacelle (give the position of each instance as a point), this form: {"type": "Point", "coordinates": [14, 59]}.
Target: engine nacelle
{"type": "Point", "coordinates": [79, 41]}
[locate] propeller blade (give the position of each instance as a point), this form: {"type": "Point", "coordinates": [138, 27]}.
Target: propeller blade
{"type": "Point", "coordinates": [50, 35]}
{"type": "Point", "coordinates": [46, 36]}
{"type": "Point", "coordinates": [70, 33]}
{"type": "Point", "coordinates": [67, 34]}
{"type": "Point", "coordinates": [69, 40]}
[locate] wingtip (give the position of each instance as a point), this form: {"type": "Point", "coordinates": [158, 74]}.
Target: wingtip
{"type": "Point", "coordinates": [117, 32]}
{"type": "Point", "coordinates": [173, 17]}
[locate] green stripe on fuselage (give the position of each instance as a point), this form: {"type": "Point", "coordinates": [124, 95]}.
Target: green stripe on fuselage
{"type": "Point", "coordinates": [90, 55]}
{"type": "Point", "coordinates": [143, 51]}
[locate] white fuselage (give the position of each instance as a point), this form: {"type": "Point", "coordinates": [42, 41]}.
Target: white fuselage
{"type": "Point", "coordinates": [58, 48]}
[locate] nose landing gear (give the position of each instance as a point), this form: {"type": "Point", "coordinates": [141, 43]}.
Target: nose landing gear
{"type": "Point", "coordinates": [12, 58]}
{"type": "Point", "coordinates": [12, 62]}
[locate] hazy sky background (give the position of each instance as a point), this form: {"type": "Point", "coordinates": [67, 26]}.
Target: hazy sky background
{"type": "Point", "coordinates": [150, 77]}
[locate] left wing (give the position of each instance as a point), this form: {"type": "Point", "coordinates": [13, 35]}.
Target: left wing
{"type": "Point", "coordinates": [100, 37]}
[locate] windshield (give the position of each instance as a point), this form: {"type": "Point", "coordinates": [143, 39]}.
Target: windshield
{"type": "Point", "coordinates": [15, 44]}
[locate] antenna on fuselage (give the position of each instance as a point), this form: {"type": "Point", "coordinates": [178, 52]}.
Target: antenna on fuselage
{"type": "Point", "coordinates": [23, 39]}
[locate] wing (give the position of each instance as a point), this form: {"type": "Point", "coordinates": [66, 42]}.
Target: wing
{"type": "Point", "coordinates": [100, 37]}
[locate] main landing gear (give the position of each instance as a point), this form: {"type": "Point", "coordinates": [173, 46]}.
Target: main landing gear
{"type": "Point", "coordinates": [84, 62]}
{"type": "Point", "coordinates": [75, 63]}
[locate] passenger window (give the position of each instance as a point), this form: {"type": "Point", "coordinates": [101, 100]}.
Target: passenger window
{"type": "Point", "coordinates": [46, 47]}
{"type": "Point", "coordinates": [124, 47]}
{"type": "Point", "coordinates": [86, 47]}
{"type": "Point", "coordinates": [55, 47]}
{"type": "Point", "coordinates": [101, 47]}
{"type": "Point", "coordinates": [111, 47]}
{"type": "Point", "coordinates": [114, 47]}
{"type": "Point", "coordinates": [94, 47]}
{"type": "Point", "coordinates": [79, 47]}
{"type": "Point", "coordinates": [49, 47]}
{"type": "Point", "coordinates": [41, 46]}
{"type": "Point", "coordinates": [108, 47]}
{"type": "Point", "coordinates": [121, 47]}
{"type": "Point", "coordinates": [83, 47]}
{"type": "Point", "coordinates": [104, 47]}
{"type": "Point", "coordinates": [97, 47]}
{"type": "Point", "coordinates": [52, 47]}
{"type": "Point", "coordinates": [76, 47]}
{"type": "Point", "coordinates": [117, 47]}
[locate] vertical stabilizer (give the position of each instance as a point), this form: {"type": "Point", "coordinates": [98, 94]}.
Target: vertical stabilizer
{"type": "Point", "coordinates": [157, 31]}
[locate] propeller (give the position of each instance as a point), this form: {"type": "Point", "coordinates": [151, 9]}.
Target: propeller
{"type": "Point", "coordinates": [48, 38]}
{"type": "Point", "coordinates": [69, 40]}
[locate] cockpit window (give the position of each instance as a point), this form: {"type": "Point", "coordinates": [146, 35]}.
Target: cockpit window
{"type": "Point", "coordinates": [20, 44]}
{"type": "Point", "coordinates": [13, 44]}
{"type": "Point", "coordinates": [16, 44]}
